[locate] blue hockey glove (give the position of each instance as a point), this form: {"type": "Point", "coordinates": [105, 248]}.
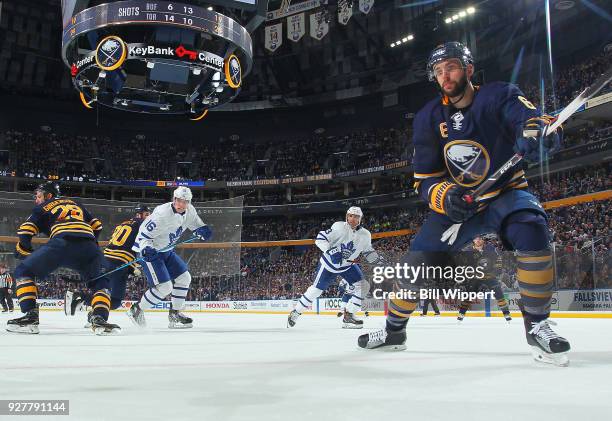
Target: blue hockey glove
{"type": "Point", "coordinates": [149, 254]}
{"type": "Point", "coordinates": [335, 255]}
{"type": "Point", "coordinates": [528, 144]}
{"type": "Point", "coordinates": [203, 233]}
{"type": "Point", "coordinates": [447, 198]}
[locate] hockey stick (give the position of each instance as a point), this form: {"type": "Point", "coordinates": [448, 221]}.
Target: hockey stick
{"type": "Point", "coordinates": [563, 116]}
{"type": "Point", "coordinates": [140, 259]}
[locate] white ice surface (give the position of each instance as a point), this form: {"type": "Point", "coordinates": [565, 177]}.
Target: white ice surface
{"type": "Point", "coordinates": [251, 367]}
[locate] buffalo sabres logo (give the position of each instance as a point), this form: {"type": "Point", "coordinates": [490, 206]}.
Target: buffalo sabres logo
{"type": "Point", "coordinates": [347, 250]}
{"type": "Point", "coordinates": [467, 161]}
{"type": "Point", "coordinates": [111, 53]}
{"type": "Point", "coordinates": [457, 120]}
{"type": "Point", "coordinates": [233, 72]}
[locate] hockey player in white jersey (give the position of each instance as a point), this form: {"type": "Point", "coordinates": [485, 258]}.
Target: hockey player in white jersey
{"type": "Point", "coordinates": [167, 274]}
{"type": "Point", "coordinates": [341, 245]}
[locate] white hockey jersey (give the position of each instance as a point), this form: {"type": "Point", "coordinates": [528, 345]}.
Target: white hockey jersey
{"type": "Point", "coordinates": [350, 242]}
{"type": "Point", "coordinates": [164, 226]}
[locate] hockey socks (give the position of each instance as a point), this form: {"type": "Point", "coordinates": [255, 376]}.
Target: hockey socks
{"type": "Point", "coordinates": [100, 303]}
{"type": "Point", "coordinates": [26, 292]}
{"type": "Point", "coordinates": [306, 300]}
{"type": "Point", "coordinates": [179, 290]}
{"type": "Point", "coordinates": [155, 295]}
{"type": "Point", "coordinates": [399, 313]}
{"type": "Point", "coordinates": [535, 279]}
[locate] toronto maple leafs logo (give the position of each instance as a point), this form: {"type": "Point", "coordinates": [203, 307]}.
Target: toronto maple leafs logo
{"type": "Point", "coordinates": [173, 236]}
{"type": "Point", "coordinates": [457, 120]}
{"type": "Point", "coordinates": [467, 162]}
{"type": "Point", "coordinates": [347, 250]}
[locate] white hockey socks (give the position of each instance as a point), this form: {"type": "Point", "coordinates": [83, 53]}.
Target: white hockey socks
{"type": "Point", "coordinates": [354, 303]}
{"type": "Point", "coordinates": [306, 300]}
{"type": "Point", "coordinates": [180, 290]}
{"type": "Point", "coordinates": [155, 295]}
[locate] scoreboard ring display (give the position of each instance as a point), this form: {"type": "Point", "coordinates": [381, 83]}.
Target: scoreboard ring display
{"type": "Point", "coordinates": [156, 56]}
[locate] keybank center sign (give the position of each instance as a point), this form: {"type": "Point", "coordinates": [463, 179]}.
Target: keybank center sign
{"type": "Point", "coordinates": [180, 52]}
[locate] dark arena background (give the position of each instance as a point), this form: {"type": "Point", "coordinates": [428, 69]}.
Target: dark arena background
{"type": "Point", "coordinates": [279, 116]}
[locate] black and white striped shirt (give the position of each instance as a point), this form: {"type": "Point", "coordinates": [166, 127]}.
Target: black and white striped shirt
{"type": "Point", "coordinates": [6, 280]}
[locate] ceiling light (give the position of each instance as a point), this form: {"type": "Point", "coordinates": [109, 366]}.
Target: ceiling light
{"type": "Point", "coordinates": [471, 10]}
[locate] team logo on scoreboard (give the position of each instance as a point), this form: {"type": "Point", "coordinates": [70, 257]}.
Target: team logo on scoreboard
{"type": "Point", "coordinates": [467, 161]}
{"type": "Point", "coordinates": [233, 72]}
{"type": "Point", "coordinates": [111, 53]}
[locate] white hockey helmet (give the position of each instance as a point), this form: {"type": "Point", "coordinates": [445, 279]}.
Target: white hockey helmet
{"type": "Point", "coordinates": [355, 210]}
{"type": "Point", "coordinates": [184, 193]}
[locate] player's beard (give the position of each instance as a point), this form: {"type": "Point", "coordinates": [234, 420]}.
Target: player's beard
{"type": "Point", "coordinates": [459, 88]}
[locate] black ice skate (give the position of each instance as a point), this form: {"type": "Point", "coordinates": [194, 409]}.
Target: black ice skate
{"type": "Point", "coordinates": [88, 324]}
{"type": "Point", "coordinates": [293, 316]}
{"type": "Point", "coordinates": [24, 324]}
{"type": "Point", "coordinates": [546, 345]}
{"type": "Point", "coordinates": [383, 340]}
{"type": "Point", "coordinates": [73, 302]}
{"type": "Point", "coordinates": [101, 327]}
{"type": "Point", "coordinates": [460, 317]}
{"type": "Point", "coordinates": [350, 322]}
{"type": "Point", "coordinates": [177, 320]}
{"type": "Point", "coordinates": [136, 315]}
{"type": "Point", "coordinates": [507, 316]}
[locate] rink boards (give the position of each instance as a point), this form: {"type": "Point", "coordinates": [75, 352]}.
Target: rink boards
{"type": "Point", "coordinates": [566, 303]}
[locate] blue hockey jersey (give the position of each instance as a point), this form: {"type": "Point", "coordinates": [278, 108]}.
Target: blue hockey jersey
{"type": "Point", "coordinates": [465, 146]}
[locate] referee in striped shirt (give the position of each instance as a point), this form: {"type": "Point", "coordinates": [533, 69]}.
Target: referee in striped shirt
{"type": "Point", "coordinates": [6, 286]}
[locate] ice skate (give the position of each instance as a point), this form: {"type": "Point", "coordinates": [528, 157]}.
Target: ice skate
{"type": "Point", "coordinates": [546, 345]}
{"type": "Point", "coordinates": [383, 340]}
{"type": "Point", "coordinates": [350, 322]}
{"type": "Point", "coordinates": [293, 316]}
{"type": "Point", "coordinates": [25, 324]}
{"type": "Point", "coordinates": [102, 328]}
{"type": "Point", "coordinates": [73, 302]}
{"type": "Point", "coordinates": [136, 315]}
{"type": "Point", "coordinates": [177, 320]}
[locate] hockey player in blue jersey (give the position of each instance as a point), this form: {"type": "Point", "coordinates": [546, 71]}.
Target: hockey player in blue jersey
{"type": "Point", "coordinates": [459, 140]}
{"type": "Point", "coordinates": [117, 253]}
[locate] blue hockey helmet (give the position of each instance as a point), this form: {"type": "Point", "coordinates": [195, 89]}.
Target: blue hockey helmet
{"type": "Point", "coordinates": [448, 50]}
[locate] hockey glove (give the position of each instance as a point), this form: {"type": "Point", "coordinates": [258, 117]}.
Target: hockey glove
{"type": "Point", "coordinates": [204, 233]}
{"type": "Point", "coordinates": [149, 254]}
{"type": "Point", "coordinates": [335, 255]}
{"type": "Point", "coordinates": [528, 144]}
{"type": "Point", "coordinates": [447, 198]}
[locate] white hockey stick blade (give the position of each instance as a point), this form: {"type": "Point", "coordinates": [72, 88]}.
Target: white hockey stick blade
{"type": "Point", "coordinates": [584, 96]}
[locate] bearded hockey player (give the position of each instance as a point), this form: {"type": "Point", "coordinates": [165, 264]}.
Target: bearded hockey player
{"type": "Point", "coordinates": [341, 245]}
{"type": "Point", "coordinates": [459, 140]}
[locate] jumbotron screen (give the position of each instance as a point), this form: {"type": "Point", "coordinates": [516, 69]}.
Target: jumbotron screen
{"type": "Point", "coordinates": [71, 7]}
